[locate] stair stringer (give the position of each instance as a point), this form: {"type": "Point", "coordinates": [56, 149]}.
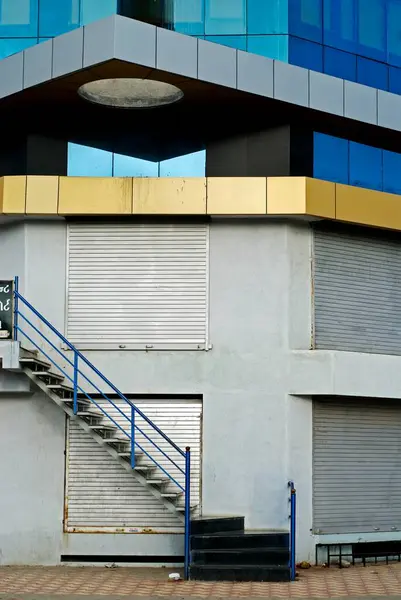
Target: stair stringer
{"type": "Point", "coordinates": [140, 478]}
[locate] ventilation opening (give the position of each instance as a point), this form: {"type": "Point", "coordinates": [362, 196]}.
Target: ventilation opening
{"type": "Point", "coordinates": [91, 558]}
{"type": "Point", "coordinates": [360, 553]}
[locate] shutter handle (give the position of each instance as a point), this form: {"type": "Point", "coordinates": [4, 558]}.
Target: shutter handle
{"type": "Point", "coordinates": [149, 347]}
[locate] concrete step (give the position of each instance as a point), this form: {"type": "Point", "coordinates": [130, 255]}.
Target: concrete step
{"type": "Point", "coordinates": [267, 540]}
{"type": "Point", "coordinates": [239, 573]}
{"type": "Point", "coordinates": [209, 525]}
{"type": "Point", "coordinates": [245, 556]}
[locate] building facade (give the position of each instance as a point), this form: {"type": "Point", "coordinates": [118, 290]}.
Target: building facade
{"type": "Point", "coordinates": [244, 293]}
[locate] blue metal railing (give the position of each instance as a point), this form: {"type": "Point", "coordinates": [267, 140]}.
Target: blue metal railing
{"type": "Point", "coordinates": [82, 383]}
{"type": "Point", "coordinates": [293, 523]}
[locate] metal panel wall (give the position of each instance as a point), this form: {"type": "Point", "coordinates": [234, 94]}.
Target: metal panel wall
{"type": "Point", "coordinates": [102, 496]}
{"type": "Point", "coordinates": [357, 284]}
{"type": "Point", "coordinates": [356, 465]}
{"type": "Point", "coordinates": [137, 285]}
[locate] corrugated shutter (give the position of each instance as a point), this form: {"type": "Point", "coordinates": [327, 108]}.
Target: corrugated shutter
{"type": "Point", "coordinates": [102, 495]}
{"type": "Point", "coordinates": [137, 285]}
{"type": "Point", "coordinates": [357, 290]}
{"type": "Point", "coordinates": [356, 465]}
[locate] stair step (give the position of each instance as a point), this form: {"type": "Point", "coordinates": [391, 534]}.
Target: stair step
{"type": "Point", "coordinates": [242, 556]}
{"type": "Point", "coordinates": [157, 480]}
{"type": "Point", "coordinates": [114, 440]}
{"type": "Point", "coordinates": [38, 362]}
{"type": "Point", "coordinates": [81, 401]}
{"type": "Point", "coordinates": [239, 573]}
{"type": "Point", "coordinates": [49, 375]}
{"type": "Point", "coordinates": [172, 495]}
{"type": "Point", "coordinates": [208, 525]}
{"type": "Point", "coordinates": [89, 414]}
{"type": "Point", "coordinates": [59, 387]}
{"type": "Point", "coordinates": [147, 468]}
{"type": "Point", "coordinates": [99, 427]}
{"type": "Point", "coordinates": [234, 541]}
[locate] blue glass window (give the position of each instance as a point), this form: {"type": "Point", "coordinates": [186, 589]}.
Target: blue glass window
{"type": "Point", "coordinates": [305, 54]}
{"type": "Point", "coordinates": [330, 158]}
{"type": "Point", "coordinates": [267, 17]}
{"type": "Point", "coordinates": [306, 19]}
{"type": "Point", "coordinates": [189, 17]}
{"type": "Point", "coordinates": [272, 46]}
{"type": "Point", "coordinates": [394, 32]}
{"type": "Point", "coordinates": [395, 80]}
{"type": "Point", "coordinates": [89, 162]}
{"type": "Point", "coordinates": [128, 166]}
{"type": "Point", "coordinates": [365, 166]}
{"type": "Point", "coordinates": [391, 172]}
{"type": "Point", "coordinates": [339, 64]}
{"type": "Point", "coordinates": [371, 20]}
{"type": "Point", "coordinates": [10, 46]}
{"type": "Point", "coordinates": [190, 165]}
{"type": "Point", "coordinates": [339, 24]}
{"type": "Point", "coordinates": [373, 73]}
{"type": "Point", "coordinates": [55, 19]}
{"type": "Point", "coordinates": [93, 10]}
{"type": "Point", "coordinates": [233, 41]}
{"type": "Point", "coordinates": [18, 18]}
{"type": "Point", "coordinates": [225, 17]}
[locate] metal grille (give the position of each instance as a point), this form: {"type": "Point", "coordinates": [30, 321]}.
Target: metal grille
{"type": "Point", "coordinates": [101, 494]}
{"type": "Point", "coordinates": [357, 283]}
{"type": "Point", "coordinates": [356, 465]}
{"type": "Point", "coordinates": [137, 285]}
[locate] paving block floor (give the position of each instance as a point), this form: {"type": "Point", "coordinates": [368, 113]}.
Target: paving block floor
{"type": "Point", "coordinates": [374, 580]}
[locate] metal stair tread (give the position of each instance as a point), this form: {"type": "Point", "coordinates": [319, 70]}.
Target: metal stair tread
{"type": "Point", "coordinates": [102, 426]}
{"type": "Point", "coordinates": [50, 374]}
{"type": "Point", "coordinates": [36, 361]}
{"type": "Point", "coordinates": [58, 386]}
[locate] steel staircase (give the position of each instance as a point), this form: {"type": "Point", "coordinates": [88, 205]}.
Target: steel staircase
{"type": "Point", "coordinates": [70, 380]}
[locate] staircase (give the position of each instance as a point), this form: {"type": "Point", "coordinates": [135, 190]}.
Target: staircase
{"type": "Point", "coordinates": [221, 550]}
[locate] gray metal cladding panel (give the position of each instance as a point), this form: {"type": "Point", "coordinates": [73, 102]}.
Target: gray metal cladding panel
{"type": "Point", "coordinates": [357, 290]}
{"type": "Point", "coordinates": [356, 465]}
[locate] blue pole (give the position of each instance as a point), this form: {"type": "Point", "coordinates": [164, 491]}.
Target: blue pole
{"type": "Point", "coordinates": [293, 515]}
{"type": "Point", "coordinates": [16, 286]}
{"type": "Point", "coordinates": [132, 437]}
{"type": "Point", "coordinates": [187, 547]}
{"type": "Point", "coordinates": [75, 383]}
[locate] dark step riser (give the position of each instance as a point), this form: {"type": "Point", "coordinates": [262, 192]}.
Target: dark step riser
{"type": "Point", "coordinates": [228, 542]}
{"type": "Point", "coordinates": [244, 574]}
{"type": "Point", "coordinates": [214, 526]}
{"type": "Point", "coordinates": [257, 557]}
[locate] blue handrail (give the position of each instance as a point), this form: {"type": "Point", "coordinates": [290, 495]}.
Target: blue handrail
{"type": "Point", "coordinates": [134, 430]}
{"type": "Point", "coordinates": [293, 523]}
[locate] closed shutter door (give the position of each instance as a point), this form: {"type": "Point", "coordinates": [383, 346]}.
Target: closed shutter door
{"type": "Point", "coordinates": [356, 465]}
{"type": "Point", "coordinates": [102, 495]}
{"type": "Point", "coordinates": [137, 285]}
{"type": "Point", "coordinates": [357, 290]}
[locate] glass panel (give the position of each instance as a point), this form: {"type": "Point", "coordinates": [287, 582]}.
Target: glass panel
{"type": "Point", "coordinates": [84, 161]}
{"type": "Point", "coordinates": [305, 54]}
{"type": "Point", "coordinates": [365, 166]}
{"type": "Point", "coordinates": [391, 172]}
{"type": "Point", "coordinates": [395, 80]}
{"type": "Point", "coordinates": [272, 46]}
{"type": "Point", "coordinates": [57, 18]}
{"type": "Point", "coordinates": [306, 19]}
{"type": "Point", "coordinates": [93, 10]}
{"type": "Point", "coordinates": [190, 165]}
{"type": "Point", "coordinates": [225, 16]}
{"type": "Point", "coordinates": [10, 46]}
{"type": "Point", "coordinates": [339, 24]}
{"type": "Point", "coordinates": [371, 20]}
{"type": "Point", "coordinates": [267, 17]}
{"type": "Point", "coordinates": [394, 32]}
{"type": "Point", "coordinates": [370, 72]}
{"type": "Point", "coordinates": [188, 17]}
{"type": "Point", "coordinates": [233, 41]}
{"type": "Point", "coordinates": [330, 158]}
{"type": "Point", "coordinates": [18, 18]}
{"type": "Point", "coordinates": [339, 64]}
{"type": "Point", "coordinates": [128, 166]}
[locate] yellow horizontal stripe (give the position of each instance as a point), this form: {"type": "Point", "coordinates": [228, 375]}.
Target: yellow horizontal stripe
{"type": "Point", "coordinates": [237, 196]}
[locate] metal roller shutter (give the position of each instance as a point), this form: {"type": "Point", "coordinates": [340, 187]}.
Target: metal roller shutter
{"type": "Point", "coordinates": [357, 290]}
{"type": "Point", "coordinates": [102, 496]}
{"type": "Point", "coordinates": [137, 285]}
{"type": "Point", "coordinates": [356, 465]}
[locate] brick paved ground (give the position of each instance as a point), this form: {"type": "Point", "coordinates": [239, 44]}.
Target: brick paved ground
{"type": "Point", "coordinates": [378, 580]}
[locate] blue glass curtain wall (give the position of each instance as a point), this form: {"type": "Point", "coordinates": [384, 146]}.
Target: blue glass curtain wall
{"type": "Point", "coordinates": [343, 161]}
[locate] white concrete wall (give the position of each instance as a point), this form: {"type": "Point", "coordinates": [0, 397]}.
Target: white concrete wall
{"type": "Point", "coordinates": [254, 433]}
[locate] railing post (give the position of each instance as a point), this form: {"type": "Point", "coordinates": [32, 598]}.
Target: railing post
{"type": "Point", "coordinates": [187, 544]}
{"type": "Point", "coordinates": [75, 383]}
{"type": "Point", "coordinates": [293, 524]}
{"type": "Point", "coordinates": [16, 299]}
{"type": "Point", "coordinates": [132, 437]}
